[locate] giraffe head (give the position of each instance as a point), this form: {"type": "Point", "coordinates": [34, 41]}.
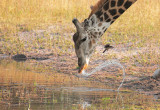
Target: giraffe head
{"type": "Point", "coordinates": [83, 45]}
{"type": "Point", "coordinates": [85, 40]}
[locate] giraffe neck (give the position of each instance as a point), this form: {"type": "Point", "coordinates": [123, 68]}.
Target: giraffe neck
{"type": "Point", "coordinates": [100, 21]}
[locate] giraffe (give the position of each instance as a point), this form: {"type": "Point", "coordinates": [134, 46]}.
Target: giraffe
{"type": "Point", "coordinates": [103, 14]}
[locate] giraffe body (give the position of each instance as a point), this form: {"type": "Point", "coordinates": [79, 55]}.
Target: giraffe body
{"type": "Point", "coordinates": [103, 14]}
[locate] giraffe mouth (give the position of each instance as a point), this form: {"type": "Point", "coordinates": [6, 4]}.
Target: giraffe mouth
{"type": "Point", "coordinates": [83, 68]}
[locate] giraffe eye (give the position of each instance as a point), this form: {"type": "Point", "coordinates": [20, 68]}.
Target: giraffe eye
{"type": "Point", "coordinates": [84, 39]}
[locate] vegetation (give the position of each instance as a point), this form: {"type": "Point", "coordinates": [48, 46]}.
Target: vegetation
{"type": "Point", "coordinates": [29, 26]}
{"type": "Point", "coordinates": [44, 27]}
{"type": "Point", "coordinates": [24, 15]}
{"type": "Point", "coordinates": [139, 25]}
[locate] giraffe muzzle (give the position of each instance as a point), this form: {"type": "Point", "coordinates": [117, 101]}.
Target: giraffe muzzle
{"type": "Point", "coordinates": [82, 68]}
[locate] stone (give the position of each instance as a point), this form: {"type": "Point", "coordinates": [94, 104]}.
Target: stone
{"type": "Point", "coordinates": [19, 57]}
{"type": "Point", "coordinates": [156, 74]}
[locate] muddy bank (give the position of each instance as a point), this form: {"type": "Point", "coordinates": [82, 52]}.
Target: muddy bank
{"type": "Point", "coordinates": [110, 76]}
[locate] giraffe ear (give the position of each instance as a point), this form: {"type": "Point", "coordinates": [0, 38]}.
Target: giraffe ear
{"type": "Point", "coordinates": [77, 24]}
{"type": "Point", "coordinates": [92, 20]}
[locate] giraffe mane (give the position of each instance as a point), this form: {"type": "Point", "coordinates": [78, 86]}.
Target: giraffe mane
{"type": "Point", "coordinates": [97, 6]}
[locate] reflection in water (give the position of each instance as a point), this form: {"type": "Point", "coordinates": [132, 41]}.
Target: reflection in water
{"type": "Point", "coordinates": [22, 90]}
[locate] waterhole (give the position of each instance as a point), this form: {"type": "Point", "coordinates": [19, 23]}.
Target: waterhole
{"type": "Point", "coordinates": [26, 87]}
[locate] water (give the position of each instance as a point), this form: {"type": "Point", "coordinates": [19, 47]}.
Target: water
{"type": "Point", "coordinates": [23, 88]}
{"type": "Point", "coordinates": [106, 64]}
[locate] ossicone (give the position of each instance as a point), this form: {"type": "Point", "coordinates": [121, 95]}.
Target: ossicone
{"type": "Point", "coordinates": [77, 24]}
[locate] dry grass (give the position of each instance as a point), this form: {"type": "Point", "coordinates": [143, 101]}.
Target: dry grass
{"type": "Point", "coordinates": [138, 27]}
{"type": "Point", "coordinates": [26, 14]}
